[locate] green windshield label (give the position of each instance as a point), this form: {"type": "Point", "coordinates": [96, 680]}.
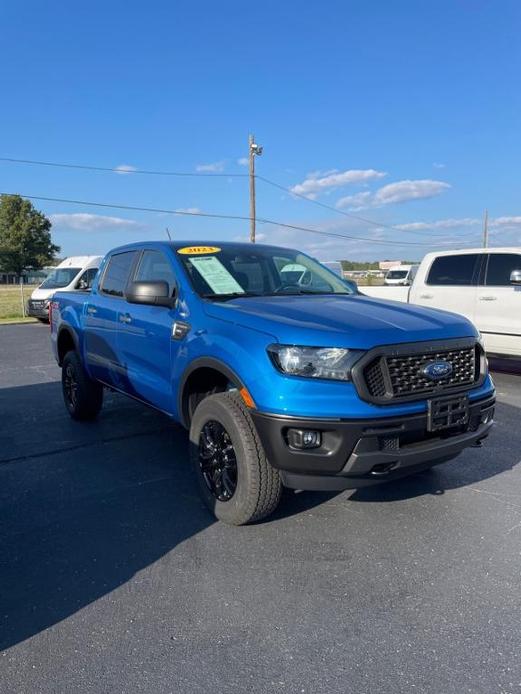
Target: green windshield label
{"type": "Point", "coordinates": [216, 275]}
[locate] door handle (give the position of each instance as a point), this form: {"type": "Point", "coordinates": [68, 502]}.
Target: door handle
{"type": "Point", "coordinates": [91, 310]}
{"type": "Point", "coordinates": [125, 318]}
{"type": "Point", "coordinates": [487, 298]}
{"type": "Point", "coordinates": [426, 296]}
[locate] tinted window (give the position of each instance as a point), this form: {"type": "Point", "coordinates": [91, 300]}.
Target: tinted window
{"type": "Point", "coordinates": [249, 275]}
{"type": "Point", "coordinates": [116, 275]}
{"type": "Point", "coordinates": [155, 266]}
{"type": "Point", "coordinates": [60, 278]}
{"type": "Point", "coordinates": [262, 271]}
{"type": "Point", "coordinates": [500, 265]}
{"type": "Point", "coordinates": [86, 280]}
{"type": "Point", "coordinates": [397, 274]}
{"type": "Point", "coordinates": [458, 270]}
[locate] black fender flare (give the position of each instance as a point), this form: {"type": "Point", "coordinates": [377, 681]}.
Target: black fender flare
{"type": "Point", "coordinates": [201, 363]}
{"type": "Point", "coordinates": [67, 328]}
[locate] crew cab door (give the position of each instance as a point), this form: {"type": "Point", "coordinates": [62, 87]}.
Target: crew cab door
{"type": "Point", "coordinates": [145, 341]}
{"type": "Point", "coordinates": [101, 319]}
{"type": "Point", "coordinates": [450, 284]}
{"type": "Point", "coordinates": [498, 306]}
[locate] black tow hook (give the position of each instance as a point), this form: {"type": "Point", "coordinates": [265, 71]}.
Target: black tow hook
{"type": "Point", "coordinates": [478, 444]}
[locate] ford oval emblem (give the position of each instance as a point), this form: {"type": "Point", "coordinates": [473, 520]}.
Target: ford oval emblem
{"type": "Point", "coordinates": [436, 370]}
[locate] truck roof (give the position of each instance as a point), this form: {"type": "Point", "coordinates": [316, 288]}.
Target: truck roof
{"type": "Point", "coordinates": [79, 260]}
{"type": "Point", "coordinates": [176, 245]}
{"type": "Point", "coordinates": [499, 249]}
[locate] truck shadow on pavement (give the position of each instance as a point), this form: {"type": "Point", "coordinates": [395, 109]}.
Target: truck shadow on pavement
{"type": "Point", "coordinates": [84, 507]}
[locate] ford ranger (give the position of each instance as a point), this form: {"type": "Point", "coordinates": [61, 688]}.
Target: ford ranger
{"type": "Point", "coordinates": [283, 374]}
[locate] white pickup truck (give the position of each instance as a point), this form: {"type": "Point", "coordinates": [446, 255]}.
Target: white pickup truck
{"type": "Point", "coordinates": [483, 284]}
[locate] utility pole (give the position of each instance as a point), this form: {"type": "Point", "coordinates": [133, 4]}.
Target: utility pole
{"type": "Point", "coordinates": [485, 230]}
{"type": "Point", "coordinates": [253, 150]}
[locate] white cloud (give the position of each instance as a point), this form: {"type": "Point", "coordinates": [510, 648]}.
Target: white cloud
{"type": "Point", "coordinates": [212, 167]}
{"type": "Point", "coordinates": [82, 221]}
{"type": "Point", "coordinates": [124, 169]}
{"type": "Point", "coordinates": [189, 210]}
{"type": "Point", "coordinates": [259, 236]}
{"type": "Point", "coordinates": [438, 165]}
{"type": "Point", "coordinates": [243, 161]}
{"type": "Point", "coordinates": [320, 181]}
{"type": "Point", "coordinates": [450, 223]}
{"type": "Point", "coordinates": [505, 222]}
{"type": "Point", "coordinates": [357, 201]}
{"type": "Point", "coordinates": [401, 191]}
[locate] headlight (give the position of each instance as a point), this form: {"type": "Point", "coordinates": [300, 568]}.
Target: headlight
{"type": "Point", "coordinates": [314, 362]}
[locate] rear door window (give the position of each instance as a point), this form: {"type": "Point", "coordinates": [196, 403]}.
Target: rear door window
{"type": "Point", "coordinates": [499, 268]}
{"type": "Point", "coordinates": [116, 276]}
{"type": "Point", "coordinates": [455, 270]}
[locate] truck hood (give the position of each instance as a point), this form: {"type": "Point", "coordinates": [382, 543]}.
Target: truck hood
{"type": "Point", "coordinates": [358, 322]}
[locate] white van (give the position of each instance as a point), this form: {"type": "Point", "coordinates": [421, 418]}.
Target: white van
{"type": "Point", "coordinates": [75, 273]}
{"type": "Point", "coordinates": [483, 284]}
{"type": "Point", "coordinates": [401, 275]}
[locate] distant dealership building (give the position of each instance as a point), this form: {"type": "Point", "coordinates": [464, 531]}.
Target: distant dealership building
{"type": "Point", "coordinates": [388, 264]}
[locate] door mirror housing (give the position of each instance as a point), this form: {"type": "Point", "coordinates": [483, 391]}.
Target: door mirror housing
{"type": "Point", "coordinates": [515, 277]}
{"type": "Point", "coordinates": [153, 293]}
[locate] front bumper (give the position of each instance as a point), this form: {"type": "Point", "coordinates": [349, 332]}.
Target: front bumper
{"type": "Point", "coordinates": [356, 453]}
{"type": "Point", "coordinates": [38, 309]}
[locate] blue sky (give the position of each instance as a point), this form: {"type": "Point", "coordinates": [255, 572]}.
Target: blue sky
{"type": "Point", "coordinates": [407, 113]}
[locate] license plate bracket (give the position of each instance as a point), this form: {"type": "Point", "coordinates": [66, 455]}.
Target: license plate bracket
{"type": "Point", "coordinates": [447, 412]}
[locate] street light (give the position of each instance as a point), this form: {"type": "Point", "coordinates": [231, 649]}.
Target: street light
{"type": "Point", "coordinates": [253, 151]}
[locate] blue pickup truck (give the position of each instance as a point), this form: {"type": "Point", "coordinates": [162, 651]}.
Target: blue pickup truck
{"type": "Point", "coordinates": [282, 372]}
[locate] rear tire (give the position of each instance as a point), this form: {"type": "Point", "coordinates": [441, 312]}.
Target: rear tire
{"type": "Point", "coordinates": [236, 481]}
{"type": "Point", "coordinates": [83, 397]}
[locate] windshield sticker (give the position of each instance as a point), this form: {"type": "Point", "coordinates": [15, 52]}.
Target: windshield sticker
{"type": "Point", "coordinates": [216, 275]}
{"type": "Point", "coordinates": [198, 250]}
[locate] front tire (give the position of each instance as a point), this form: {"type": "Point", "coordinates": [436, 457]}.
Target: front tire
{"type": "Point", "coordinates": [236, 481]}
{"type": "Point", "coordinates": [83, 397]}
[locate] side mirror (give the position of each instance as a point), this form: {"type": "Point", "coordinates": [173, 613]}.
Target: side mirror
{"type": "Point", "coordinates": [154, 293]}
{"type": "Point", "coordinates": [515, 277]}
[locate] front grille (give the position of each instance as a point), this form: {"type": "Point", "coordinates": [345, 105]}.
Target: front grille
{"type": "Point", "coordinates": [399, 376]}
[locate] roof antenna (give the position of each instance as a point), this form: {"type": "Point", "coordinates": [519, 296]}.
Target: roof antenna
{"type": "Point", "coordinates": [168, 233]}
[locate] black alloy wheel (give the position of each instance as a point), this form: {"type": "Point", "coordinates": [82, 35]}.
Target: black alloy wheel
{"type": "Point", "coordinates": [70, 386]}
{"type": "Point", "coordinates": [218, 461]}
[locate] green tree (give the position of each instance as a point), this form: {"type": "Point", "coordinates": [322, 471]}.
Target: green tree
{"type": "Point", "coordinates": [25, 236]}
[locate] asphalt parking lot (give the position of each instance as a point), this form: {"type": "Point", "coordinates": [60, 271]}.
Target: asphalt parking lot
{"type": "Point", "coordinates": [114, 578]}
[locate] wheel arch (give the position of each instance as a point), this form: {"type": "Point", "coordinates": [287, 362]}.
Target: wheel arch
{"type": "Point", "coordinates": [204, 376]}
{"type": "Point", "coordinates": [66, 340]}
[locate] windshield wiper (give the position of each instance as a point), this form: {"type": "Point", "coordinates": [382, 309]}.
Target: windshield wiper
{"type": "Point", "coordinates": [230, 295]}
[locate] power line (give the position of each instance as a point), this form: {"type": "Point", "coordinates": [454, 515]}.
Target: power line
{"type": "Point", "coordinates": [63, 165]}
{"type": "Point", "coordinates": [203, 174]}
{"type": "Point", "coordinates": [261, 220]}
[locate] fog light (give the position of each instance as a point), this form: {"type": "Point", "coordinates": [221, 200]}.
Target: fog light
{"type": "Point", "coordinates": [304, 438]}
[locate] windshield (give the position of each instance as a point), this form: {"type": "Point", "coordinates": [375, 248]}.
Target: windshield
{"type": "Point", "coordinates": [397, 274]}
{"type": "Point", "coordinates": [263, 271]}
{"type": "Point", "coordinates": [60, 277]}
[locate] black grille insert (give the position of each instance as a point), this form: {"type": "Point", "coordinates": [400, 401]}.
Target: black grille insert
{"type": "Point", "coordinates": [399, 374]}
